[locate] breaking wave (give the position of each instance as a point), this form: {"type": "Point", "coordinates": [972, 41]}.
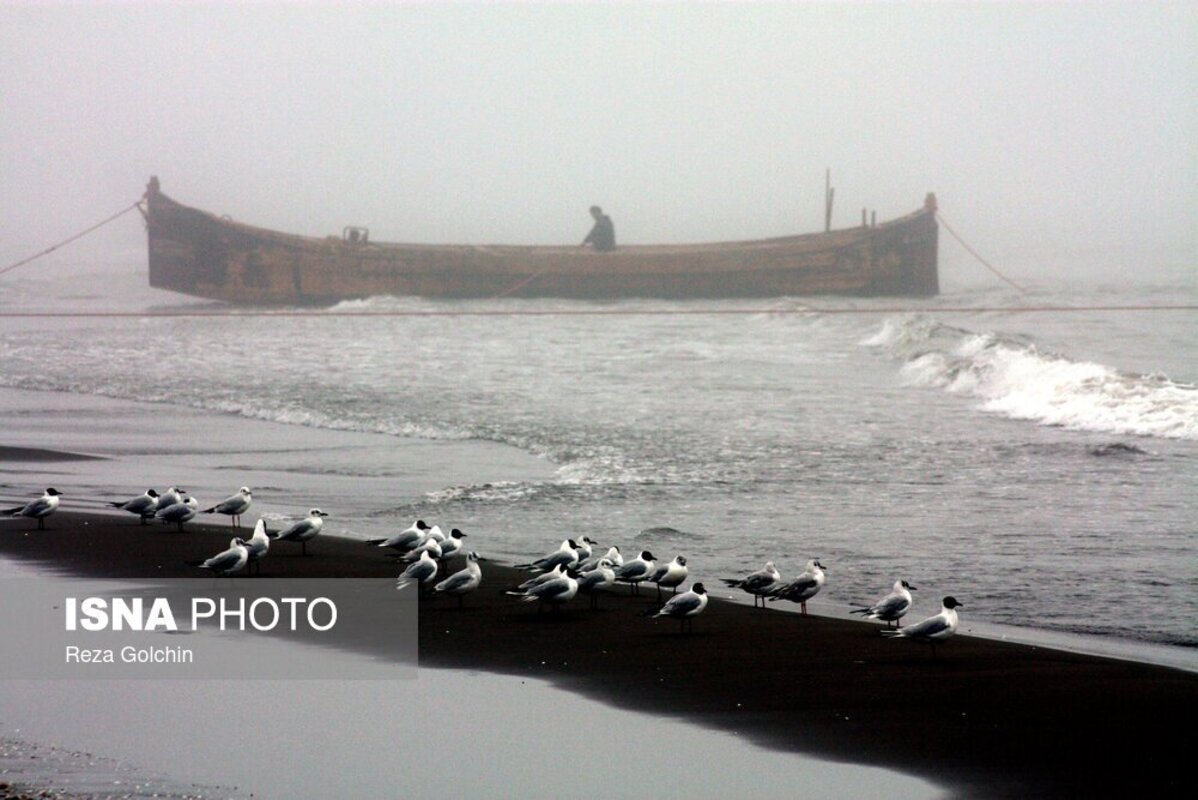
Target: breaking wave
{"type": "Point", "coordinates": [1016, 378]}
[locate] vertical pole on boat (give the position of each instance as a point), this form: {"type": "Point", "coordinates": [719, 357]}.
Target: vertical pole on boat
{"type": "Point", "coordinates": [864, 219]}
{"type": "Point", "coordinates": [829, 194]}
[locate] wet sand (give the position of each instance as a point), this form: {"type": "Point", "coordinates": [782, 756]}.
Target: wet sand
{"type": "Point", "coordinates": [990, 719]}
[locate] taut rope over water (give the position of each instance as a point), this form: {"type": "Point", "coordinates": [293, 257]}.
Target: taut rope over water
{"type": "Point", "coordinates": [79, 235]}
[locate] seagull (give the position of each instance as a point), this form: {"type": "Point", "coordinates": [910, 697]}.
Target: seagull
{"type": "Point", "coordinates": [592, 580]}
{"type": "Point", "coordinates": [170, 497]}
{"type": "Point", "coordinates": [452, 544]}
{"type": "Point", "coordinates": [407, 539]}
{"type": "Point", "coordinates": [144, 506]}
{"type": "Point", "coordinates": [612, 555]}
{"type": "Point", "coordinates": [430, 546]}
{"type": "Point", "coordinates": [686, 606]}
{"type": "Point", "coordinates": [420, 572]}
{"type": "Point", "coordinates": [183, 511]}
{"type": "Point", "coordinates": [39, 509]}
{"type": "Point", "coordinates": [938, 627]}
{"type": "Point", "coordinates": [435, 533]}
{"type": "Point", "coordinates": [555, 592]}
{"type": "Point", "coordinates": [583, 549]}
{"type": "Point", "coordinates": [802, 588]}
{"type": "Point", "coordinates": [462, 582]}
{"type": "Point", "coordinates": [638, 569]}
{"type": "Point", "coordinates": [556, 572]}
{"type": "Point", "coordinates": [760, 583]}
{"type": "Point", "coordinates": [566, 555]}
{"type": "Point", "coordinates": [234, 505]}
{"type": "Point", "coordinates": [228, 561]}
{"type": "Point", "coordinates": [892, 607]}
{"type": "Point", "coordinates": [258, 545]}
{"type": "Point", "coordinates": [303, 530]}
{"type": "Point", "coordinates": [670, 575]}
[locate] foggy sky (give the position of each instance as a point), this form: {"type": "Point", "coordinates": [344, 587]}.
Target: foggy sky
{"type": "Point", "coordinates": [1046, 130]}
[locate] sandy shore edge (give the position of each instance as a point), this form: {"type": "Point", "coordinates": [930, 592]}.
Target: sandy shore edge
{"type": "Point", "coordinates": [988, 718]}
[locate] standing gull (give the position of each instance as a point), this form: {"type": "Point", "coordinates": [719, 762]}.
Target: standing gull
{"type": "Point", "coordinates": [670, 575]}
{"type": "Point", "coordinates": [612, 555]}
{"type": "Point", "coordinates": [462, 582]}
{"type": "Point", "coordinates": [637, 570]}
{"type": "Point", "coordinates": [178, 513]}
{"type": "Point", "coordinates": [421, 572]}
{"type": "Point", "coordinates": [593, 580]}
{"type": "Point", "coordinates": [234, 506]}
{"type": "Point", "coordinates": [555, 592]}
{"type": "Point", "coordinates": [802, 588]}
{"type": "Point", "coordinates": [144, 505]}
{"type": "Point", "coordinates": [686, 606]}
{"type": "Point", "coordinates": [303, 530]}
{"type": "Point", "coordinates": [760, 583]}
{"type": "Point", "coordinates": [228, 561]}
{"type": "Point", "coordinates": [566, 555]}
{"type": "Point", "coordinates": [258, 545]}
{"type": "Point", "coordinates": [891, 608]}
{"type": "Point", "coordinates": [932, 629]}
{"type": "Point", "coordinates": [453, 544]}
{"type": "Point", "coordinates": [170, 497]}
{"type": "Point", "coordinates": [407, 539]}
{"type": "Point", "coordinates": [39, 509]}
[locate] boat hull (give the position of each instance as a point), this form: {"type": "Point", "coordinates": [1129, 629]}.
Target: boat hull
{"type": "Point", "coordinates": [204, 255]}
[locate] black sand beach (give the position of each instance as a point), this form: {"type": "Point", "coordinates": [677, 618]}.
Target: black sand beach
{"type": "Point", "coordinates": [990, 719]}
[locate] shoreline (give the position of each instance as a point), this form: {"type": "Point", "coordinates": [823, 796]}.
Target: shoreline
{"type": "Point", "coordinates": [986, 717]}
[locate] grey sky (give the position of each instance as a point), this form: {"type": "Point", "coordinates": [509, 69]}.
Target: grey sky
{"type": "Point", "coordinates": [1044, 129]}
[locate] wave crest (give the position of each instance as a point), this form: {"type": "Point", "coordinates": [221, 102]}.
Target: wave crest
{"type": "Point", "coordinates": [1017, 379]}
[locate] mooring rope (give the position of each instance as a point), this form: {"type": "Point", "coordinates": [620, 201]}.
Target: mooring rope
{"type": "Point", "coordinates": [79, 235]}
{"type": "Point", "coordinates": [940, 218]}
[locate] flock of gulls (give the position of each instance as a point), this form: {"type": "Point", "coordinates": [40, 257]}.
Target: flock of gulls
{"type": "Point", "coordinates": [556, 578]}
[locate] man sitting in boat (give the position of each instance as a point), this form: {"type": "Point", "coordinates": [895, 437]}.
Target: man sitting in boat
{"type": "Point", "coordinates": [603, 235]}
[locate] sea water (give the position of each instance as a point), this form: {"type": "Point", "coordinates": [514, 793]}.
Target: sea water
{"type": "Point", "coordinates": [1040, 467]}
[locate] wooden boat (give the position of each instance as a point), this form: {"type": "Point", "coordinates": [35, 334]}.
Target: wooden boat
{"type": "Point", "coordinates": [202, 254]}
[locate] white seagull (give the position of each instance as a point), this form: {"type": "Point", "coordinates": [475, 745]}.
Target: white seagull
{"type": "Point", "coordinates": [583, 549]}
{"type": "Point", "coordinates": [554, 592]}
{"type": "Point", "coordinates": [452, 544]}
{"type": "Point", "coordinates": [430, 546]}
{"type": "Point", "coordinates": [638, 569]}
{"type": "Point", "coordinates": [891, 608]}
{"type": "Point", "coordinates": [228, 561]}
{"type": "Point", "coordinates": [759, 584]}
{"type": "Point", "coordinates": [145, 506]}
{"type": "Point", "coordinates": [421, 572]}
{"type": "Point", "coordinates": [303, 530]}
{"type": "Point", "coordinates": [462, 582]}
{"type": "Point", "coordinates": [258, 545]}
{"type": "Point", "coordinates": [436, 533]}
{"type": "Point", "coordinates": [592, 580]}
{"type": "Point", "coordinates": [612, 555]}
{"type": "Point", "coordinates": [407, 539]}
{"type": "Point", "coordinates": [234, 505]}
{"type": "Point", "coordinates": [932, 629]}
{"type": "Point", "coordinates": [170, 497]}
{"type": "Point", "coordinates": [178, 513]}
{"type": "Point", "coordinates": [802, 588]}
{"type": "Point", "coordinates": [566, 555]}
{"type": "Point", "coordinates": [670, 575]}
{"type": "Point", "coordinates": [556, 572]}
{"type": "Point", "coordinates": [39, 509]}
{"type": "Point", "coordinates": [686, 606]}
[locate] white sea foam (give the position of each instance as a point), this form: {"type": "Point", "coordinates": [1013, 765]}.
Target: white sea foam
{"type": "Point", "coordinates": [1019, 380]}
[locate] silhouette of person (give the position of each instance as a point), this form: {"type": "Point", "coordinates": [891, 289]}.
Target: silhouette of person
{"type": "Point", "coordinates": [603, 234]}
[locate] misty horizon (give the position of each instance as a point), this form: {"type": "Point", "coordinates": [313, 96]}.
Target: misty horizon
{"type": "Point", "coordinates": [1047, 132]}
